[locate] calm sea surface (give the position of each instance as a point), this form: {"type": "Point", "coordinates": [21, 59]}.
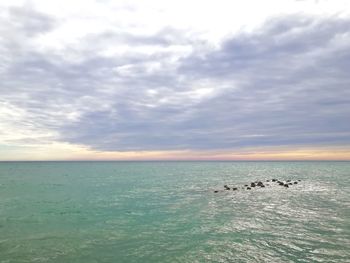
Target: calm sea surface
{"type": "Point", "coordinates": [168, 212]}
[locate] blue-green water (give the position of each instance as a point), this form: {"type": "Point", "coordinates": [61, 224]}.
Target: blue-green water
{"type": "Point", "coordinates": [168, 212]}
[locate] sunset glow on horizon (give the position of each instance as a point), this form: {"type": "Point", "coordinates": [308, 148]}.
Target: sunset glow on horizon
{"type": "Point", "coordinates": [62, 152]}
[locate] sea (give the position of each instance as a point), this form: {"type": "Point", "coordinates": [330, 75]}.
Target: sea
{"type": "Point", "coordinates": [158, 211]}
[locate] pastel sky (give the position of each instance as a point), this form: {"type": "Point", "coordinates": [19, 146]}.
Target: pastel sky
{"type": "Point", "coordinates": [187, 80]}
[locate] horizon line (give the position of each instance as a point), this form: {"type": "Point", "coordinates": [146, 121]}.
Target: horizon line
{"type": "Point", "coordinates": [182, 160]}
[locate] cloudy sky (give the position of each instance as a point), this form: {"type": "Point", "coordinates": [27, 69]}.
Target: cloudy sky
{"type": "Point", "coordinates": [157, 79]}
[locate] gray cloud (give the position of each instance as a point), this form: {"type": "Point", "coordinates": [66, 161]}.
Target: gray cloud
{"type": "Point", "coordinates": [283, 84]}
{"type": "Point", "coordinates": [28, 21]}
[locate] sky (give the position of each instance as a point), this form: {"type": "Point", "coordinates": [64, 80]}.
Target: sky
{"type": "Point", "coordinates": [174, 80]}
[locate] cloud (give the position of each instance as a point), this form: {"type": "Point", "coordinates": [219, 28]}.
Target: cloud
{"type": "Point", "coordinates": [283, 84]}
{"type": "Point", "coordinates": [287, 71]}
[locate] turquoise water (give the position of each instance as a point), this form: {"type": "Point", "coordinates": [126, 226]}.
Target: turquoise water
{"type": "Point", "coordinates": [168, 212]}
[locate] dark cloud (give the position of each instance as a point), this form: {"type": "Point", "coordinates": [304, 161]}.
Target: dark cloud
{"type": "Point", "coordinates": [283, 84]}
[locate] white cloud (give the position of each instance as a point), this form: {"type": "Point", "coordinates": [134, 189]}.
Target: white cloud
{"type": "Point", "coordinates": [214, 19]}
